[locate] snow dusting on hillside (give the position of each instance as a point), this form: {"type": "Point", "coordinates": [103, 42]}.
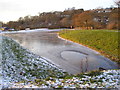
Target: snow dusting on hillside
{"type": "Point", "coordinates": [19, 64]}
{"type": "Point", "coordinates": [20, 68]}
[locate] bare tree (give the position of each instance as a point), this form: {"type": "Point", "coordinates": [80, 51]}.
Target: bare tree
{"type": "Point", "coordinates": [117, 2]}
{"type": "Point", "coordinates": [84, 66]}
{"type": "Point", "coordinates": [81, 66]}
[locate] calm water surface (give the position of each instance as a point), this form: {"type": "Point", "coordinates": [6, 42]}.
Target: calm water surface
{"type": "Point", "coordinates": [71, 57]}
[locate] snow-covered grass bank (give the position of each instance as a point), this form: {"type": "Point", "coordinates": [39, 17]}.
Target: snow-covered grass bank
{"type": "Point", "coordinates": [23, 69]}
{"type": "Point", "coordinates": [94, 79]}
{"type": "Point", "coordinates": [19, 64]}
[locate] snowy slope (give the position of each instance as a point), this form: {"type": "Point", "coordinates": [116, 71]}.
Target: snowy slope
{"type": "Point", "coordinates": [19, 64]}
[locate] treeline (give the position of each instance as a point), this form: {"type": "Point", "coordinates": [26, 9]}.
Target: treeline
{"type": "Point", "coordinates": [71, 18]}
{"type": "Point", "coordinates": [98, 19]}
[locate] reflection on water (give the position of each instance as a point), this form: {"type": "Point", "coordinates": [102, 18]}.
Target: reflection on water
{"type": "Point", "coordinates": [39, 42]}
{"type": "Point", "coordinates": [71, 55]}
{"type": "Point", "coordinates": [65, 54]}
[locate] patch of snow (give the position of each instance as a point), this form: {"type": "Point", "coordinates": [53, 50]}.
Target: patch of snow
{"type": "Point", "coordinates": [19, 64]}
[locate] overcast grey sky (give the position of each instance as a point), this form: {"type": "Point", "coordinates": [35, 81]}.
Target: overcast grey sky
{"type": "Point", "coordinates": [13, 9]}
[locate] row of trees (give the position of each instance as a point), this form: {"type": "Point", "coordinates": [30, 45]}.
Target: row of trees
{"type": "Point", "coordinates": [97, 19]}
{"type": "Point", "coordinates": [46, 20]}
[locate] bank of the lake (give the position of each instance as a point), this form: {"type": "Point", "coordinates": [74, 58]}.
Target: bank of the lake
{"type": "Point", "coordinates": [103, 41]}
{"type": "Point", "coordinates": [69, 56]}
{"type": "Point", "coordinates": [23, 69]}
{"type": "Point", "coordinates": [19, 64]}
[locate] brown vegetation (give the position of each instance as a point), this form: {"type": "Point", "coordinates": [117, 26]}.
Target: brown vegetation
{"type": "Point", "coordinates": [98, 19]}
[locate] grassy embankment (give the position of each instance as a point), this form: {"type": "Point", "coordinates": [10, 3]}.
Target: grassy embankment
{"type": "Point", "coordinates": [22, 68]}
{"type": "Point", "coordinates": [19, 63]}
{"type": "Point", "coordinates": [104, 41]}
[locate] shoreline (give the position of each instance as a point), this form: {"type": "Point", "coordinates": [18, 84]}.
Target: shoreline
{"type": "Point", "coordinates": [18, 56]}
{"type": "Point", "coordinates": [78, 44]}
{"type": "Point", "coordinates": [44, 58]}
{"type": "Point", "coordinates": [91, 48]}
{"type": "Point", "coordinates": [74, 81]}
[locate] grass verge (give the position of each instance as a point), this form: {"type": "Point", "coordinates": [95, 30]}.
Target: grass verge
{"type": "Point", "coordinates": [104, 41]}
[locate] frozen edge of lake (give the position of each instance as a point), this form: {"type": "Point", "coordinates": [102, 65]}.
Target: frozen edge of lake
{"type": "Point", "coordinates": [9, 63]}
{"type": "Point", "coordinates": [96, 52]}
{"type": "Point", "coordinates": [21, 85]}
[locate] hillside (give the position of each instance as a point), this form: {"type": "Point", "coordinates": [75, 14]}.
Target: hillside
{"type": "Point", "coordinates": [72, 18]}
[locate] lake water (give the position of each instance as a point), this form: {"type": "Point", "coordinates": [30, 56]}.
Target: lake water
{"type": "Point", "coordinates": [69, 56]}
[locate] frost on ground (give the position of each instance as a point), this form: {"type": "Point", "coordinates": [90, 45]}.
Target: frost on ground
{"type": "Point", "coordinates": [104, 79]}
{"type": "Point", "coordinates": [22, 69]}
{"type": "Point", "coordinates": [19, 64]}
